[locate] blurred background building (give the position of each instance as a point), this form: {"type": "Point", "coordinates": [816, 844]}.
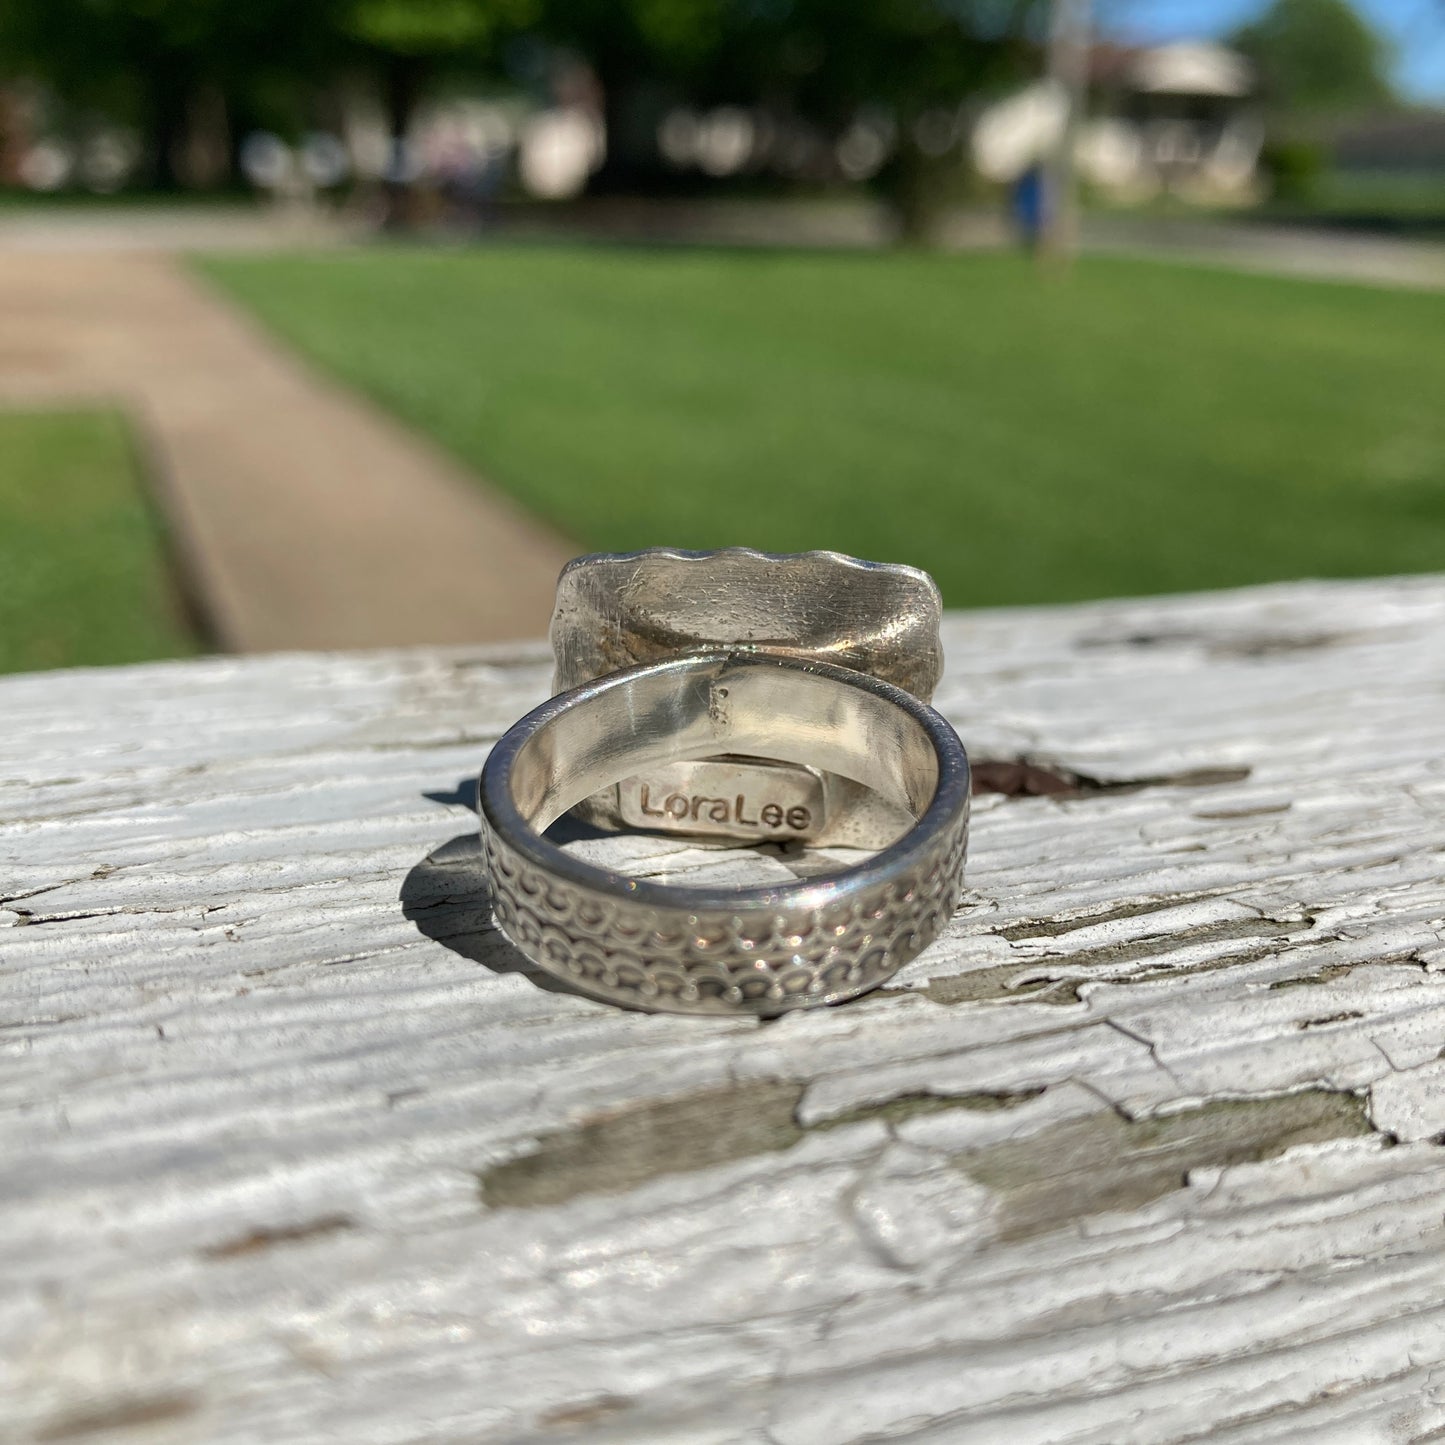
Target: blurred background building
{"type": "Point", "coordinates": [1182, 119]}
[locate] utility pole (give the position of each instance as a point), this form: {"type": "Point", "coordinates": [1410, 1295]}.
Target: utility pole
{"type": "Point", "coordinates": [1068, 62]}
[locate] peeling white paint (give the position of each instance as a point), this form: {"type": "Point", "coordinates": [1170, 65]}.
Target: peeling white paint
{"type": "Point", "coordinates": [256, 1049]}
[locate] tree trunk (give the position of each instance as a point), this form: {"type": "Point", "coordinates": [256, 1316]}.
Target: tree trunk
{"type": "Point", "coordinates": [404, 81]}
{"type": "Point", "coordinates": [915, 187]}
{"type": "Point", "coordinates": [628, 164]}
{"type": "Point", "coordinates": [170, 88]}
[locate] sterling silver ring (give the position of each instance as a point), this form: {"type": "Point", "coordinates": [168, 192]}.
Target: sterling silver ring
{"type": "Point", "coordinates": [759, 738]}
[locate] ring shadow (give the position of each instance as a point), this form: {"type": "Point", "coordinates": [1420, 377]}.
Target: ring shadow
{"type": "Point", "coordinates": [449, 898]}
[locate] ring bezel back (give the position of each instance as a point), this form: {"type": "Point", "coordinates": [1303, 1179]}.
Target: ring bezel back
{"type": "Point", "coordinates": [620, 609]}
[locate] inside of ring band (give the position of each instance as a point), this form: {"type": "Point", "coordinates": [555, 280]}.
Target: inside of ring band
{"type": "Point", "coordinates": [698, 708]}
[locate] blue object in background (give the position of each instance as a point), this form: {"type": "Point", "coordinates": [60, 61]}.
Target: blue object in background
{"type": "Point", "coordinates": [1027, 202]}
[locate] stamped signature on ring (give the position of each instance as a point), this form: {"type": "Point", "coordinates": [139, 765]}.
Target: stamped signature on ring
{"type": "Point", "coordinates": [728, 797]}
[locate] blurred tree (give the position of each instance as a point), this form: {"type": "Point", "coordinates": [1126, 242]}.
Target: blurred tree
{"type": "Point", "coordinates": [915, 61]}
{"type": "Point", "coordinates": [882, 74]}
{"type": "Point", "coordinates": [148, 60]}
{"type": "Point", "coordinates": [412, 40]}
{"type": "Point", "coordinates": [1315, 56]}
{"type": "Point", "coordinates": [906, 65]}
{"type": "Point", "coordinates": [639, 50]}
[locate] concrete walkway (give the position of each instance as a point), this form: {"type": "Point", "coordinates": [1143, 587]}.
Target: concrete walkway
{"type": "Point", "coordinates": [304, 517]}
{"type": "Point", "coordinates": [857, 222]}
{"type": "Point", "coordinates": [1310, 252]}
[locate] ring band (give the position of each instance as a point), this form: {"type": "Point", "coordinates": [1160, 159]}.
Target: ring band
{"type": "Point", "coordinates": [759, 950]}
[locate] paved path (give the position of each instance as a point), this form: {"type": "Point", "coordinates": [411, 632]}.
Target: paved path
{"type": "Point", "coordinates": [174, 226]}
{"type": "Point", "coordinates": [1213, 240]}
{"type": "Point", "coordinates": [305, 518]}
{"type": "Point", "coordinates": [1305, 251]}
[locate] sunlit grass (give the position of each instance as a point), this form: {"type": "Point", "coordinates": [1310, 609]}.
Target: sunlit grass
{"type": "Point", "coordinates": [1139, 427]}
{"type": "Point", "coordinates": [83, 577]}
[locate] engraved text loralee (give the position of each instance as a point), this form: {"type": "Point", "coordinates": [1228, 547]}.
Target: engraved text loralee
{"type": "Point", "coordinates": [737, 810]}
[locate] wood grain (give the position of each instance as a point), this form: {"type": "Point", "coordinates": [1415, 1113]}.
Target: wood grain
{"type": "Point", "coordinates": [1146, 1149]}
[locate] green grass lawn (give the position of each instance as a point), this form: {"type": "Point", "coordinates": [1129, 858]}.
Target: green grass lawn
{"type": "Point", "coordinates": [1141, 427]}
{"type": "Point", "coordinates": [83, 577]}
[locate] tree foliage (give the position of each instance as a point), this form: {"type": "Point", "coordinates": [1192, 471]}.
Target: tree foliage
{"type": "Point", "coordinates": [435, 28]}
{"type": "Point", "coordinates": [818, 60]}
{"type": "Point", "coordinates": [1315, 56]}
{"type": "Point", "coordinates": [145, 60]}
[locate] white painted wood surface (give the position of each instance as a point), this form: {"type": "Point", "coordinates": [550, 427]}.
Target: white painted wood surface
{"type": "Point", "coordinates": [292, 1149]}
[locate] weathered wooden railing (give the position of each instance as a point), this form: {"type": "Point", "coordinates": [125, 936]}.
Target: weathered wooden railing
{"type": "Point", "coordinates": [294, 1147]}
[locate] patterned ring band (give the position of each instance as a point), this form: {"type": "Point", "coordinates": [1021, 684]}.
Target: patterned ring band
{"type": "Point", "coordinates": [760, 949]}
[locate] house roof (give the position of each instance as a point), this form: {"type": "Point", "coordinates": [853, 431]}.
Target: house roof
{"type": "Point", "coordinates": [1191, 67]}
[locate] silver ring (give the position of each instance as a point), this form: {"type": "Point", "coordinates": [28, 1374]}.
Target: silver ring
{"type": "Point", "coordinates": [758, 950]}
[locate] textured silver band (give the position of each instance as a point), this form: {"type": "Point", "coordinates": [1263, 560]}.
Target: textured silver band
{"type": "Point", "coordinates": [753, 950]}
